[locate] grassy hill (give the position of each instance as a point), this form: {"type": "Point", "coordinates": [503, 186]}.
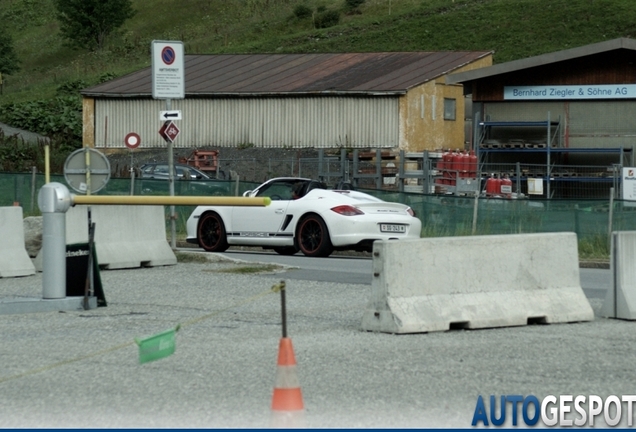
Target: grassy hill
{"type": "Point", "coordinates": [511, 28]}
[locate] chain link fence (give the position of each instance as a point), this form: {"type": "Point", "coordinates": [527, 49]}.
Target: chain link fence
{"type": "Point", "coordinates": [441, 215]}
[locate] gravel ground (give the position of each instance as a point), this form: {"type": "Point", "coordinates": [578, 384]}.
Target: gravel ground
{"type": "Point", "coordinates": [81, 369]}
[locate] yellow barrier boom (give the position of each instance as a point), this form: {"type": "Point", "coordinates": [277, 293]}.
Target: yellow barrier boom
{"type": "Point", "coordinates": [168, 200]}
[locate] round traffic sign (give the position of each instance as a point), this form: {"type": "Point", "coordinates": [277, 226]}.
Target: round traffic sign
{"type": "Point", "coordinates": [168, 55]}
{"type": "Point", "coordinates": [132, 140]}
{"type": "Point", "coordinates": [86, 170]}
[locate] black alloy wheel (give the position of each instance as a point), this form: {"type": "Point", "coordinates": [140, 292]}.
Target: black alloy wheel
{"type": "Point", "coordinates": [313, 237]}
{"type": "Point", "coordinates": [211, 233]}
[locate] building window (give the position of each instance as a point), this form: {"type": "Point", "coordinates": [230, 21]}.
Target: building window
{"type": "Point", "coordinates": [449, 109]}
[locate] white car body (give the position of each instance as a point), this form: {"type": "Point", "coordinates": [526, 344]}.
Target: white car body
{"type": "Point", "coordinates": [288, 225]}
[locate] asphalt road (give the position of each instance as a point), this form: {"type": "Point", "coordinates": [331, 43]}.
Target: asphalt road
{"type": "Point", "coordinates": [81, 368]}
{"type": "Point", "coordinates": [357, 269]}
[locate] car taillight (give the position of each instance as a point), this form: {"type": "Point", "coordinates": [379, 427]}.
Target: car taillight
{"type": "Point", "coordinates": [410, 211]}
{"type": "Point", "coordinates": [347, 210]}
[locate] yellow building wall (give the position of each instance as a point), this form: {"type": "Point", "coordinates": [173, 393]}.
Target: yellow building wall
{"type": "Point", "coordinates": [422, 124]}
{"type": "Point", "coordinates": [88, 122]}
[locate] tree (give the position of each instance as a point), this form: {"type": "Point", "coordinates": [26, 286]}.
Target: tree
{"type": "Point", "coordinates": [8, 59]}
{"type": "Point", "coordinates": [87, 23]}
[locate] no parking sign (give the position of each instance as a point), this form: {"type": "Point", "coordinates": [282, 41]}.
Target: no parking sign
{"type": "Point", "coordinates": [168, 70]}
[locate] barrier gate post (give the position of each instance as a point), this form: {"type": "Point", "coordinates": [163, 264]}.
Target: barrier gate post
{"type": "Point", "coordinates": [54, 200]}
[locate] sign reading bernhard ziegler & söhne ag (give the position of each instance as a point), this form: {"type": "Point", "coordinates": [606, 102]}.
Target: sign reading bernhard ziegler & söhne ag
{"type": "Point", "coordinates": [605, 91]}
{"type": "Point", "coordinates": [168, 70]}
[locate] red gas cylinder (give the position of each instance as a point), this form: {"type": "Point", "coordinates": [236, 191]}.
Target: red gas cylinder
{"type": "Point", "coordinates": [492, 185]}
{"type": "Point", "coordinates": [441, 165]}
{"type": "Point", "coordinates": [498, 186]}
{"type": "Point", "coordinates": [472, 164]}
{"type": "Point", "coordinates": [506, 187]}
{"type": "Point", "coordinates": [465, 165]}
{"type": "Point", "coordinates": [447, 159]}
{"type": "Point", "coordinates": [458, 161]}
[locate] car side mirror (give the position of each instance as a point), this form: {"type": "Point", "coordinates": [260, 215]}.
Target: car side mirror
{"type": "Point", "coordinates": [247, 193]}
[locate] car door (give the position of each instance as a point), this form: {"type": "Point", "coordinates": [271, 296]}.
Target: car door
{"type": "Point", "coordinates": [261, 225]}
{"type": "Point", "coordinates": [160, 172]}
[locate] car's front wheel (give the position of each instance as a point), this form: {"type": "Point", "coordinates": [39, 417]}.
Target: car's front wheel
{"type": "Point", "coordinates": [313, 237]}
{"type": "Point", "coordinates": [211, 233]}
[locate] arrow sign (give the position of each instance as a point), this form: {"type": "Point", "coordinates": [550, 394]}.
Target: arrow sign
{"type": "Point", "coordinates": [170, 115]}
{"type": "Point", "coordinates": [169, 131]}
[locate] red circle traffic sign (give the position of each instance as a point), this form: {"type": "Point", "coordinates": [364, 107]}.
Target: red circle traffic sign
{"type": "Point", "coordinates": [168, 55]}
{"type": "Point", "coordinates": [132, 140]}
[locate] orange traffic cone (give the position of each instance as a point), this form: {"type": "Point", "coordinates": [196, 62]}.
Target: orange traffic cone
{"type": "Point", "coordinates": [287, 402]}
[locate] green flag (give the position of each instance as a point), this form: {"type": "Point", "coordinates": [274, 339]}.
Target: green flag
{"type": "Point", "coordinates": [158, 346]}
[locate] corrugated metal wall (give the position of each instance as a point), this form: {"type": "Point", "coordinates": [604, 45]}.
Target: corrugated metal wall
{"type": "Point", "coordinates": [602, 124]}
{"type": "Point", "coordinates": [317, 122]}
{"type": "Point", "coordinates": [524, 111]}
{"type": "Point", "coordinates": [584, 124]}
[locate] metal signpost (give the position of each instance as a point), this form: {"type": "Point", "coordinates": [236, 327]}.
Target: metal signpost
{"type": "Point", "coordinates": [87, 175]}
{"type": "Point", "coordinates": [168, 82]}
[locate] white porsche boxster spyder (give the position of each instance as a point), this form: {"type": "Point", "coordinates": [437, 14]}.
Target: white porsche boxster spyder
{"type": "Point", "coordinates": [303, 215]}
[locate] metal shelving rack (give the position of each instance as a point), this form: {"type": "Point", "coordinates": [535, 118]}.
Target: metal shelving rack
{"type": "Point", "coordinates": [552, 147]}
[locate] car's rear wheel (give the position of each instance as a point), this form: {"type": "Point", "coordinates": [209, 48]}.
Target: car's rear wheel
{"type": "Point", "coordinates": [313, 237]}
{"type": "Point", "coordinates": [211, 233]}
{"type": "Point", "coordinates": [286, 250]}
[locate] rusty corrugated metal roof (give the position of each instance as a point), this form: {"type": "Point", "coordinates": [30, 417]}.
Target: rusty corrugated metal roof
{"type": "Point", "coordinates": [291, 74]}
{"type": "Point", "coordinates": [543, 59]}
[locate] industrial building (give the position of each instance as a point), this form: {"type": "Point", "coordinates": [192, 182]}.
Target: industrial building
{"type": "Point", "coordinates": [566, 118]}
{"type": "Point", "coordinates": [396, 100]}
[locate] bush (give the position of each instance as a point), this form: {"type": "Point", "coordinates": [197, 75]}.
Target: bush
{"type": "Point", "coordinates": [301, 11]}
{"type": "Point", "coordinates": [59, 118]}
{"type": "Point", "coordinates": [327, 19]}
{"type": "Point", "coordinates": [71, 88]}
{"type": "Point", "coordinates": [353, 4]}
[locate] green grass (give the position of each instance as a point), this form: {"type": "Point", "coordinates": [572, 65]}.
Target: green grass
{"type": "Point", "coordinates": [186, 257]}
{"type": "Point", "coordinates": [251, 269]}
{"type": "Point", "coordinates": [594, 247]}
{"type": "Point", "coordinates": [199, 258]}
{"type": "Point", "coordinates": [512, 28]}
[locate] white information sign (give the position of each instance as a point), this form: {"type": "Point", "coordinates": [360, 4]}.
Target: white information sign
{"type": "Point", "coordinates": [612, 91]}
{"type": "Point", "coordinates": [168, 71]}
{"type": "Point", "coordinates": [170, 115]}
{"type": "Point", "coordinates": [535, 186]}
{"type": "Point", "coordinates": [629, 184]}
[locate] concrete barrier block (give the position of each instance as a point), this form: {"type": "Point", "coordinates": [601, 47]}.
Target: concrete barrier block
{"type": "Point", "coordinates": [620, 299]}
{"type": "Point", "coordinates": [14, 259]}
{"type": "Point", "coordinates": [125, 236]}
{"type": "Point", "coordinates": [435, 284]}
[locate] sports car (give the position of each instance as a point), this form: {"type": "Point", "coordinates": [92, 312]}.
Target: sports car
{"type": "Point", "coordinates": [303, 215]}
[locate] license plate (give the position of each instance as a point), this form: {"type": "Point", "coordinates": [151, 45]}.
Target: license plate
{"type": "Point", "coordinates": [392, 228]}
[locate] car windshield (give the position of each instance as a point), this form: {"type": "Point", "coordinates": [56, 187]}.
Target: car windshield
{"type": "Point", "coordinates": [279, 190]}
{"type": "Point", "coordinates": [161, 170]}
{"type": "Point", "coordinates": [148, 169]}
